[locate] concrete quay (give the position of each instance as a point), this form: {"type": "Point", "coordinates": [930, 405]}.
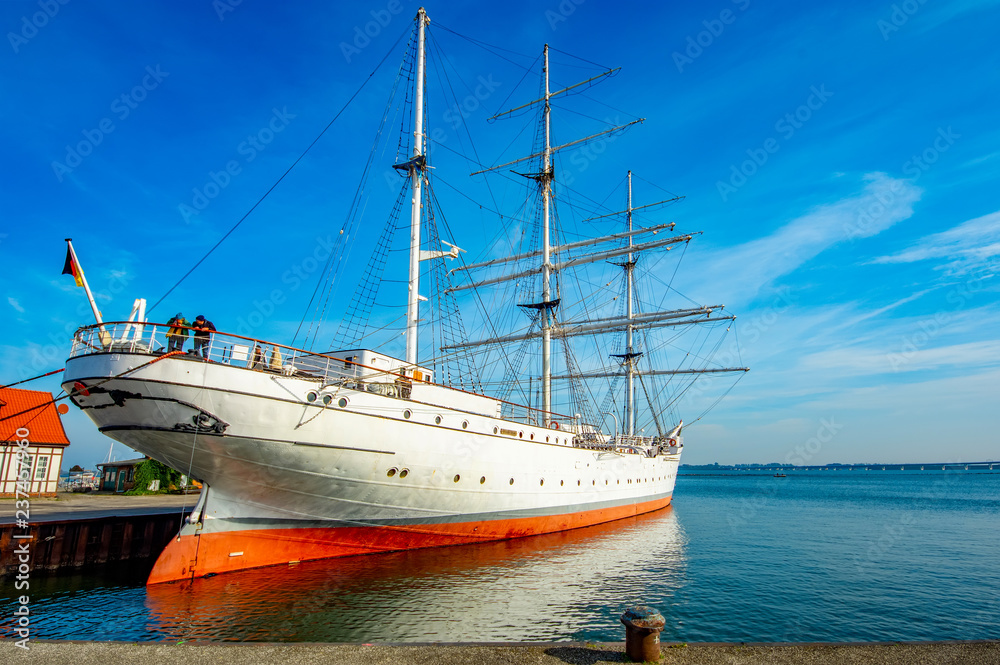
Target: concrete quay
{"type": "Point", "coordinates": [75, 531]}
{"type": "Point", "coordinates": [573, 653]}
{"type": "Point", "coordinates": [94, 505]}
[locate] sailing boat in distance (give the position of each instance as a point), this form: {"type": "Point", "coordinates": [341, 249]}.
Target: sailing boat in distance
{"type": "Point", "coordinates": [309, 454]}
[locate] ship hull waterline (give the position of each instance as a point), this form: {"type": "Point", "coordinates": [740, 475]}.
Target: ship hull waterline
{"type": "Point", "coordinates": [290, 481]}
{"type": "Point", "coordinates": [196, 554]}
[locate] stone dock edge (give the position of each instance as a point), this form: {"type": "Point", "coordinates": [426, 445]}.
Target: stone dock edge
{"type": "Point", "coordinates": [50, 652]}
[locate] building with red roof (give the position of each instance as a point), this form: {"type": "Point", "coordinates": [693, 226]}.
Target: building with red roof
{"type": "Point", "coordinates": [31, 416]}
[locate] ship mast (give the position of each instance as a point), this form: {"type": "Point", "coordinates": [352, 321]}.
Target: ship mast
{"type": "Point", "coordinates": [548, 328]}
{"type": "Point", "coordinates": [629, 354]}
{"type": "Point", "coordinates": [556, 258]}
{"type": "Point", "coordinates": [416, 166]}
{"type": "Point", "coordinates": [545, 180]}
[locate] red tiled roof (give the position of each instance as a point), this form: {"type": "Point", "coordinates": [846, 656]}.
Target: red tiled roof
{"type": "Point", "coordinates": [41, 418]}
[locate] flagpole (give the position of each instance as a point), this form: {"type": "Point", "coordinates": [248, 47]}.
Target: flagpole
{"type": "Point", "coordinates": [83, 278]}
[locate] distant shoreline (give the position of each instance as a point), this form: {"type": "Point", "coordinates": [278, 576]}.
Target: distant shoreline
{"type": "Point", "coordinates": [698, 469]}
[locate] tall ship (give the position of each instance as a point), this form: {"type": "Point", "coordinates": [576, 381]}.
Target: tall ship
{"type": "Point", "coordinates": [308, 453]}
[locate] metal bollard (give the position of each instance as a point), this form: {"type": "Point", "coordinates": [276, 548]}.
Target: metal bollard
{"type": "Point", "coordinates": [642, 633]}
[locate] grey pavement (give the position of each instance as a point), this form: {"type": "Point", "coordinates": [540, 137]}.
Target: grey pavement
{"type": "Point", "coordinates": [104, 653]}
{"type": "Point", "coordinates": [80, 506]}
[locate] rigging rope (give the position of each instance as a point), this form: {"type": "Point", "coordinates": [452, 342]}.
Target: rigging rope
{"type": "Point", "coordinates": [338, 258]}
{"type": "Point", "coordinates": [17, 383]}
{"type": "Point", "coordinates": [96, 385]}
{"type": "Point", "coordinates": [278, 181]}
{"type": "Point", "coordinates": [353, 326]}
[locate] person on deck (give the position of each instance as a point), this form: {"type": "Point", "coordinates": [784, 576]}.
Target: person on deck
{"type": "Point", "coordinates": [203, 330]}
{"type": "Point", "coordinates": [178, 333]}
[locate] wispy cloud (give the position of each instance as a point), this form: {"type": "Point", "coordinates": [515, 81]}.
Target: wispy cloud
{"type": "Point", "coordinates": [857, 362]}
{"type": "Point", "coordinates": [15, 304]}
{"type": "Point", "coordinates": [748, 268]}
{"type": "Point", "coordinates": [962, 249]}
{"type": "Point", "coordinates": [854, 321]}
{"type": "Point", "coordinates": [979, 160]}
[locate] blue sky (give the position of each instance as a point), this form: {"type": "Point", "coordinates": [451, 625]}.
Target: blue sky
{"type": "Point", "coordinates": [839, 159]}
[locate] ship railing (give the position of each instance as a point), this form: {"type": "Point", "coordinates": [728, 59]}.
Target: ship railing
{"type": "Point", "coordinates": [640, 441]}
{"type": "Point", "coordinates": [269, 357]}
{"type": "Point", "coordinates": [222, 348]}
{"type": "Point", "coordinates": [558, 422]}
{"type": "Point", "coordinates": [648, 446]}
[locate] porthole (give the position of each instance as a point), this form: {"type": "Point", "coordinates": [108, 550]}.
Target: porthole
{"type": "Point", "coordinates": [532, 436]}
{"type": "Point", "coordinates": [496, 429]}
{"type": "Point", "coordinates": [312, 396]}
{"type": "Point", "coordinates": [511, 481]}
{"type": "Point", "coordinates": [437, 420]}
{"type": "Point", "coordinates": [407, 414]}
{"type": "Point", "coordinates": [342, 402]}
{"type": "Point", "coordinates": [457, 478]}
{"type": "Point", "coordinates": [578, 483]}
{"type": "Point", "coordinates": [605, 482]}
{"type": "Point", "coordinates": [593, 482]}
{"type": "Point", "coordinates": [465, 424]}
{"type": "Point", "coordinates": [520, 435]}
{"type": "Point", "coordinates": [561, 483]}
{"type": "Point", "coordinates": [327, 399]}
{"type": "Point", "coordinates": [404, 473]}
{"type": "Point", "coordinates": [541, 482]}
{"type": "Point", "coordinates": [546, 439]}
{"type": "Point", "coordinates": [391, 472]}
{"type": "Point", "coordinates": [482, 481]}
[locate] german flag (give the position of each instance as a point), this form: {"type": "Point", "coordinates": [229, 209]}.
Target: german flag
{"type": "Point", "coordinates": [73, 268]}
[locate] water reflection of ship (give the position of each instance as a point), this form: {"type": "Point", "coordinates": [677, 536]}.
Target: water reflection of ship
{"type": "Point", "coordinates": [552, 586]}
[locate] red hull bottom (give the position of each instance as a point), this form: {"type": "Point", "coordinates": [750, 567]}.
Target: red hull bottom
{"type": "Point", "coordinates": [187, 557]}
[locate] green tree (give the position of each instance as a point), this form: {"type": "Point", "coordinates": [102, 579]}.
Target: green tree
{"type": "Point", "coordinates": [149, 470]}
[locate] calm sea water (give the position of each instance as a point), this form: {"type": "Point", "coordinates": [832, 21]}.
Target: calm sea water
{"type": "Point", "coordinates": [821, 556]}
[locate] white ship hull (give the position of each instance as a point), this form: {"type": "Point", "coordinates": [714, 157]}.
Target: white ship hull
{"type": "Point", "coordinates": [290, 480]}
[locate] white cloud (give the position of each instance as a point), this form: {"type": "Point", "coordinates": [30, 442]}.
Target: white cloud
{"type": "Point", "coordinates": [15, 304]}
{"type": "Point", "coordinates": [962, 249]}
{"type": "Point", "coordinates": [856, 362]}
{"type": "Point", "coordinates": [854, 321]}
{"type": "Point", "coordinates": [742, 271]}
{"type": "Point", "coordinates": [979, 160]}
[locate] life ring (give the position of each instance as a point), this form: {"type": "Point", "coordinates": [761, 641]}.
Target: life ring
{"type": "Point", "coordinates": [673, 443]}
{"type": "Point", "coordinates": [554, 425]}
